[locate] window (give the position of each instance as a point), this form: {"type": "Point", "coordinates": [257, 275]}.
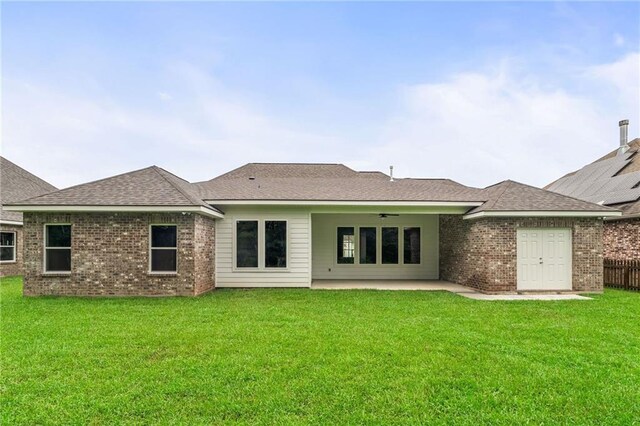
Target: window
{"type": "Point", "coordinates": [57, 248]}
{"type": "Point", "coordinates": [411, 246]}
{"type": "Point", "coordinates": [346, 245]}
{"type": "Point", "coordinates": [7, 246]}
{"type": "Point", "coordinates": [368, 246]}
{"type": "Point", "coordinates": [275, 244]}
{"type": "Point", "coordinates": [389, 245]}
{"type": "Point", "coordinates": [247, 244]}
{"type": "Point", "coordinates": [164, 248]}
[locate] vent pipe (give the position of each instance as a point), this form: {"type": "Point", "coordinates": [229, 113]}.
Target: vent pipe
{"type": "Point", "coordinates": [391, 173]}
{"type": "Point", "coordinates": [624, 135]}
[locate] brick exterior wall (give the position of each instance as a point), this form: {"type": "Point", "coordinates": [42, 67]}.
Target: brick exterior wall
{"type": "Point", "coordinates": [110, 255]}
{"type": "Point", "coordinates": [622, 239]}
{"type": "Point", "coordinates": [482, 253]}
{"type": "Point", "coordinates": [13, 268]}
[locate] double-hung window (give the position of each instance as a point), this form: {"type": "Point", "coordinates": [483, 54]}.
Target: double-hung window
{"type": "Point", "coordinates": [57, 248]}
{"type": "Point", "coordinates": [261, 244]}
{"type": "Point", "coordinates": [164, 249]}
{"type": "Point", "coordinates": [7, 246]}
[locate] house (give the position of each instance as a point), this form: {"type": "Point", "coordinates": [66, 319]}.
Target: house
{"type": "Point", "coordinates": [15, 184]}
{"type": "Point", "coordinates": [613, 180]}
{"type": "Point", "coordinates": [149, 232]}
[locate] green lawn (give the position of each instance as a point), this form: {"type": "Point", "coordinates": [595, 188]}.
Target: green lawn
{"type": "Point", "coordinates": [300, 356]}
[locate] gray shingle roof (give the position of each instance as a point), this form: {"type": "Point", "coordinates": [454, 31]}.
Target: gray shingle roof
{"type": "Point", "coordinates": [151, 186]}
{"type": "Point", "coordinates": [327, 182]}
{"type": "Point", "coordinates": [154, 186]}
{"type": "Point", "coordinates": [17, 184]}
{"type": "Point", "coordinates": [515, 196]}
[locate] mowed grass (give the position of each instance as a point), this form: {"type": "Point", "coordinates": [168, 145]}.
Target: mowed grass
{"type": "Point", "coordinates": [321, 357]}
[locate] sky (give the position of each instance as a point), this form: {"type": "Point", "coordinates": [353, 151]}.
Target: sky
{"type": "Point", "coordinates": [476, 92]}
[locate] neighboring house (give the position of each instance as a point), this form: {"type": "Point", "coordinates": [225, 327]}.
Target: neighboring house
{"type": "Point", "coordinates": [613, 180]}
{"type": "Point", "coordinates": [149, 232]}
{"type": "Point", "coordinates": [15, 184]}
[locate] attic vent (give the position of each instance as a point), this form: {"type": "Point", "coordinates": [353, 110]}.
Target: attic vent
{"type": "Point", "coordinates": [252, 178]}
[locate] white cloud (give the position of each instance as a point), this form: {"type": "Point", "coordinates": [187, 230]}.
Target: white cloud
{"type": "Point", "coordinates": [618, 40]}
{"type": "Point", "coordinates": [481, 128]}
{"type": "Point", "coordinates": [69, 140]}
{"type": "Point", "coordinates": [475, 127]}
{"type": "Point", "coordinates": [164, 96]}
{"type": "Point", "coordinates": [623, 76]}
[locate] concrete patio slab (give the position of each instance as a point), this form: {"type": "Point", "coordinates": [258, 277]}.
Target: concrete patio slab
{"type": "Point", "coordinates": [433, 285]}
{"type": "Point", "coordinates": [424, 285]}
{"type": "Point", "coordinates": [482, 296]}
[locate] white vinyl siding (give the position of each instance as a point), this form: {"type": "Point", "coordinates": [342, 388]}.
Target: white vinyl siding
{"type": "Point", "coordinates": [298, 269]}
{"type": "Point", "coordinates": [324, 239]}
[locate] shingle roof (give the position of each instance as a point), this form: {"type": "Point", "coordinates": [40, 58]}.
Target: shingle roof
{"type": "Point", "coordinates": [327, 182]}
{"type": "Point", "coordinates": [16, 184]}
{"type": "Point", "coordinates": [612, 180]}
{"type": "Point", "coordinates": [154, 186]}
{"type": "Point", "coordinates": [151, 186]}
{"type": "Point", "coordinates": [514, 196]}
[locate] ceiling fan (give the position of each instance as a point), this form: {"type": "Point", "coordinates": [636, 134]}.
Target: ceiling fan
{"type": "Point", "coordinates": [386, 215]}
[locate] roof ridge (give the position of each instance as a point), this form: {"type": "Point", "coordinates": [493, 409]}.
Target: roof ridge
{"type": "Point", "coordinates": [186, 195]}
{"type": "Point", "coordinates": [490, 203]}
{"type": "Point", "coordinates": [90, 182]}
{"type": "Point", "coordinates": [28, 175]}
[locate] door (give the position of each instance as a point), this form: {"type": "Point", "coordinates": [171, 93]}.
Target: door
{"type": "Point", "coordinates": [544, 259]}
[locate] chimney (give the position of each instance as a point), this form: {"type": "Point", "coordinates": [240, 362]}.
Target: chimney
{"type": "Point", "coordinates": [391, 173]}
{"type": "Point", "coordinates": [624, 134]}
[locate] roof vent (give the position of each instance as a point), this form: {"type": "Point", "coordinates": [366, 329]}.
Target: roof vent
{"type": "Point", "coordinates": [390, 173]}
{"type": "Point", "coordinates": [624, 134]}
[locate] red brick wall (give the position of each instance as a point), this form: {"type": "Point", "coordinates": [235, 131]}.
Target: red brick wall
{"type": "Point", "coordinates": [110, 255]}
{"type": "Point", "coordinates": [622, 239]}
{"type": "Point", "coordinates": [482, 253]}
{"type": "Point", "coordinates": [13, 268]}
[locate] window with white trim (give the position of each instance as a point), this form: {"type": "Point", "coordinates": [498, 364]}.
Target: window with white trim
{"type": "Point", "coordinates": [346, 245]}
{"type": "Point", "coordinates": [57, 248]}
{"type": "Point", "coordinates": [389, 245]}
{"type": "Point", "coordinates": [368, 245]}
{"type": "Point", "coordinates": [275, 244]}
{"type": "Point", "coordinates": [411, 246]}
{"type": "Point", "coordinates": [7, 246]}
{"type": "Point", "coordinates": [164, 248]}
{"type": "Point", "coordinates": [261, 244]}
{"type": "Point", "coordinates": [247, 244]}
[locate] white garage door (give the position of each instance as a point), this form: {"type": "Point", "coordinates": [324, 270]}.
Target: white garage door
{"type": "Point", "coordinates": [544, 259]}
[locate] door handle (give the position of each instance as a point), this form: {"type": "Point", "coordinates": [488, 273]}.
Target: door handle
{"type": "Point", "coordinates": [541, 261]}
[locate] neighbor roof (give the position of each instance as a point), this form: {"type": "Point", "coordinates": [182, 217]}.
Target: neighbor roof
{"type": "Point", "coordinates": [613, 180]}
{"type": "Point", "coordinates": [300, 183]}
{"type": "Point", "coordinates": [17, 184]}
{"type": "Point", "coordinates": [149, 187]}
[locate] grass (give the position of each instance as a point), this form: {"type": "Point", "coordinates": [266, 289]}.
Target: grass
{"type": "Point", "coordinates": [321, 357]}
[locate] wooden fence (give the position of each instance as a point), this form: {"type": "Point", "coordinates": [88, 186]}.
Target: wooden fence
{"type": "Point", "coordinates": [623, 274]}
